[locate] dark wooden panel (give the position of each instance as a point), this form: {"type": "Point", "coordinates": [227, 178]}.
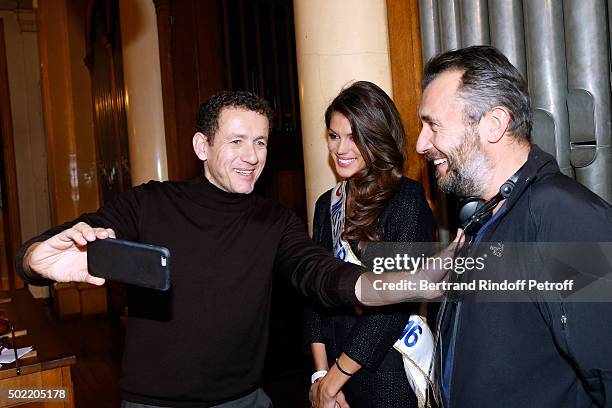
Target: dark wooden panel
{"type": "Point", "coordinates": [164, 29]}
{"type": "Point", "coordinates": [407, 72]}
{"type": "Point", "coordinates": [207, 46]}
{"type": "Point", "coordinates": [185, 65]}
{"type": "Point", "coordinates": [193, 68]}
{"type": "Point", "coordinates": [10, 201]}
{"type": "Point", "coordinates": [209, 31]}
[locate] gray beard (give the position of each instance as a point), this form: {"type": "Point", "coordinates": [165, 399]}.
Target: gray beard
{"type": "Point", "coordinates": [467, 167]}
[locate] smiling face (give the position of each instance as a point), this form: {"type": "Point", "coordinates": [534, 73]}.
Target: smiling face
{"type": "Point", "coordinates": [342, 147]}
{"type": "Point", "coordinates": [238, 154]}
{"type": "Point", "coordinates": [454, 147]}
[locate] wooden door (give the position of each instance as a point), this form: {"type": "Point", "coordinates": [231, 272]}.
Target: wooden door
{"type": "Point", "coordinates": [10, 229]}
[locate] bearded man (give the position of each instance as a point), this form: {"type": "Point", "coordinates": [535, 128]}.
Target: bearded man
{"type": "Point", "coordinates": [477, 122]}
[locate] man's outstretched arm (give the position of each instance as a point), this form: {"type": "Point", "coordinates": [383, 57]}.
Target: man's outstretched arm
{"type": "Point", "coordinates": [318, 275]}
{"type": "Point", "coordinates": [60, 253]}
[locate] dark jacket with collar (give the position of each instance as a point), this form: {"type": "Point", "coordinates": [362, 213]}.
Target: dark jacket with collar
{"type": "Point", "coordinates": [536, 354]}
{"type": "Point", "coordinates": [369, 338]}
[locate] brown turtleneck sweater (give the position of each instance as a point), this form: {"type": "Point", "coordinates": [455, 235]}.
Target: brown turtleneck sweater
{"type": "Point", "coordinates": [203, 342]}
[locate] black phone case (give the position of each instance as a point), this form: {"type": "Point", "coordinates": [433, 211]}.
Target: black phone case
{"type": "Point", "coordinates": [130, 262]}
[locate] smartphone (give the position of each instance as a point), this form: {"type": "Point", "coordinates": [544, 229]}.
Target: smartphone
{"type": "Point", "coordinates": [130, 262]}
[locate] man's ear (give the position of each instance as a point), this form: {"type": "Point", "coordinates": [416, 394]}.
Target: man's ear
{"type": "Point", "coordinates": [496, 123]}
{"type": "Point", "coordinates": [200, 146]}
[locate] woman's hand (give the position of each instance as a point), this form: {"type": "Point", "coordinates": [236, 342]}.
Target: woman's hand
{"type": "Point", "coordinates": [327, 391]}
{"type": "Point", "coordinates": [323, 396]}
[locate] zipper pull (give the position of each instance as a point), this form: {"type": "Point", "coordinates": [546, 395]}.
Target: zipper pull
{"type": "Point", "coordinates": [563, 321]}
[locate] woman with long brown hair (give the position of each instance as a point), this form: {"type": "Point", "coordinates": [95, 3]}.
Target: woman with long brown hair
{"type": "Point", "coordinates": [352, 350]}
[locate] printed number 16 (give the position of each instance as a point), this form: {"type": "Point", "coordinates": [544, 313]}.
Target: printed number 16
{"type": "Point", "coordinates": [410, 335]}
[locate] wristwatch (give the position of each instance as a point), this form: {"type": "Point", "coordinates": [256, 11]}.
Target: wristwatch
{"type": "Point", "coordinates": [317, 376]}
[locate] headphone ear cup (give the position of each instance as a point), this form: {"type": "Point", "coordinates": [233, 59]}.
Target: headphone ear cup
{"type": "Point", "coordinates": [468, 207]}
{"type": "Point", "coordinates": [506, 189]}
{"type": "Point", "coordinates": [474, 212]}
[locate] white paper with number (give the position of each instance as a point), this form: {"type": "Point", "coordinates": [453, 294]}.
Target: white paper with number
{"type": "Point", "coordinates": [416, 345]}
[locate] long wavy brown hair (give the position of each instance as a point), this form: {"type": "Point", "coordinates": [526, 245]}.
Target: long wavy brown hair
{"type": "Point", "coordinates": [379, 135]}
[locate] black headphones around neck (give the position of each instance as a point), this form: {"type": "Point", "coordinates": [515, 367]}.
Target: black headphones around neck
{"type": "Point", "coordinates": [474, 212]}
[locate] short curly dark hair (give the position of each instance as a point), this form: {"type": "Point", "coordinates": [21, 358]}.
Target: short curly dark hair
{"type": "Point", "coordinates": [207, 119]}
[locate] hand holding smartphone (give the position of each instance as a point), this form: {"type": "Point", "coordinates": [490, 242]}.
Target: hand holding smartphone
{"type": "Point", "coordinates": [130, 262]}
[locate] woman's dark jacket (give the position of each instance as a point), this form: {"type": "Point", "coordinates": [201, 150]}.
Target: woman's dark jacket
{"type": "Point", "coordinates": [369, 338]}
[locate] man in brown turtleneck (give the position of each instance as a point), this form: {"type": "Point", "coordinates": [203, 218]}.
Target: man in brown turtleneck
{"type": "Point", "coordinates": [225, 243]}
